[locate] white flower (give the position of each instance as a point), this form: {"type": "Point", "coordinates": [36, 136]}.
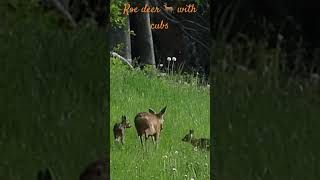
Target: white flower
{"type": "Point", "coordinates": [176, 152]}
{"type": "Point", "coordinates": [161, 65]}
{"type": "Point", "coordinates": [192, 178]}
{"type": "Point", "coordinates": [174, 169]}
{"type": "Point", "coordinates": [165, 156]}
{"type": "Point", "coordinates": [174, 59]}
{"type": "Point", "coordinates": [168, 58]}
{"type": "Point", "coordinates": [185, 175]}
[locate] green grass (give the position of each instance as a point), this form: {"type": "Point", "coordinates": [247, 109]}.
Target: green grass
{"type": "Point", "coordinates": [53, 98]}
{"type": "Point", "coordinates": [131, 91]}
{"type": "Point", "coordinates": [265, 133]}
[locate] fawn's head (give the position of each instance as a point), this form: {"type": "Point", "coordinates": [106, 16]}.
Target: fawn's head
{"type": "Point", "coordinates": [124, 122]}
{"type": "Point", "coordinates": [159, 115]}
{"type": "Point", "coordinates": [189, 136]}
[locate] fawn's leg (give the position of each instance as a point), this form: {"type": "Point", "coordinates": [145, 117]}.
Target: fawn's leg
{"type": "Point", "coordinates": [145, 142]}
{"type": "Point", "coordinates": [122, 140]}
{"type": "Point", "coordinates": [141, 140]}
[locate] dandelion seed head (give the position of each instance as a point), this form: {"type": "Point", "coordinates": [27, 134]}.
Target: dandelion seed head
{"type": "Point", "coordinates": [168, 58]}
{"type": "Point", "coordinates": [161, 65]}
{"type": "Point", "coordinates": [174, 59]}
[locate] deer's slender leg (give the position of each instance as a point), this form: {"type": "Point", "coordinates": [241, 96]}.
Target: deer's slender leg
{"type": "Point", "coordinates": [156, 138]}
{"type": "Point", "coordinates": [122, 140]}
{"type": "Point", "coordinates": [141, 140]}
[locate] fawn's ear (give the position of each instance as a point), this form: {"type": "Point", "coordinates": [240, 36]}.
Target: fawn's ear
{"type": "Point", "coordinates": [152, 111]}
{"type": "Point", "coordinates": [123, 117]}
{"type": "Point", "coordinates": [191, 131]}
{"type": "Point", "coordinates": [163, 111]}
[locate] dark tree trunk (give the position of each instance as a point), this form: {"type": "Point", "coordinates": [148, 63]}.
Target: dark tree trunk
{"type": "Point", "coordinates": [127, 41]}
{"type": "Point", "coordinates": [142, 42]}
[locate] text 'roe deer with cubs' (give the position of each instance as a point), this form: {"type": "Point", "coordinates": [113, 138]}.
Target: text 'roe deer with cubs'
{"type": "Point", "coordinates": [149, 124]}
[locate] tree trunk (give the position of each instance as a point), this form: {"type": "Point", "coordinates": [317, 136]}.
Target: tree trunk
{"type": "Point", "coordinates": [142, 42]}
{"type": "Point", "coordinates": [127, 41]}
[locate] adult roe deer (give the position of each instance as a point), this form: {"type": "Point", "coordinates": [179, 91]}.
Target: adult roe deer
{"type": "Point", "coordinates": [201, 143]}
{"type": "Point", "coordinates": [149, 124]}
{"type": "Point", "coordinates": [119, 129]}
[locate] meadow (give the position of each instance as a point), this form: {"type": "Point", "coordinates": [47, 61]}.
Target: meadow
{"type": "Point", "coordinates": [53, 96]}
{"type": "Point", "coordinates": [265, 119]}
{"type": "Point", "coordinates": [188, 107]}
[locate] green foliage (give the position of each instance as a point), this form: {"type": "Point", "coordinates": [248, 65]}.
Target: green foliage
{"type": "Point", "coordinates": [264, 133]}
{"type": "Point", "coordinates": [133, 91]}
{"type": "Point", "coordinates": [150, 71]}
{"type": "Point", "coordinates": [116, 18]}
{"type": "Point", "coordinates": [117, 48]}
{"type": "Point", "coordinates": [266, 118]}
{"type": "Point", "coordinates": [52, 96]}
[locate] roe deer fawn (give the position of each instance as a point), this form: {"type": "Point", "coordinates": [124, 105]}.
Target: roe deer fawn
{"type": "Point", "coordinates": [202, 143]}
{"type": "Point", "coordinates": [149, 124]}
{"type": "Point", "coordinates": [168, 9]}
{"type": "Point", "coordinates": [119, 129]}
{"type": "Point", "coordinates": [97, 170]}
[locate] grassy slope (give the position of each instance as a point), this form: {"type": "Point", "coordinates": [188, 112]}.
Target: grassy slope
{"type": "Point", "coordinates": [53, 98]}
{"type": "Point", "coordinates": [188, 107]}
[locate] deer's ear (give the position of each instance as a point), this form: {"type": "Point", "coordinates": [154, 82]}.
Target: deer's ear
{"type": "Point", "coordinates": [152, 111]}
{"type": "Point", "coordinates": [163, 111]}
{"type": "Point", "coordinates": [191, 131]}
{"type": "Point", "coordinates": [123, 117]}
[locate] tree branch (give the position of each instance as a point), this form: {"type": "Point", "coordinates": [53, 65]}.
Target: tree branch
{"type": "Point", "coordinates": [179, 24]}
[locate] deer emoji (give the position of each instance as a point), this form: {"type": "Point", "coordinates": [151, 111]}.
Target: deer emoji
{"type": "Point", "coordinates": [119, 129]}
{"type": "Point", "coordinates": [149, 124]}
{"type": "Point", "coordinates": [168, 9]}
